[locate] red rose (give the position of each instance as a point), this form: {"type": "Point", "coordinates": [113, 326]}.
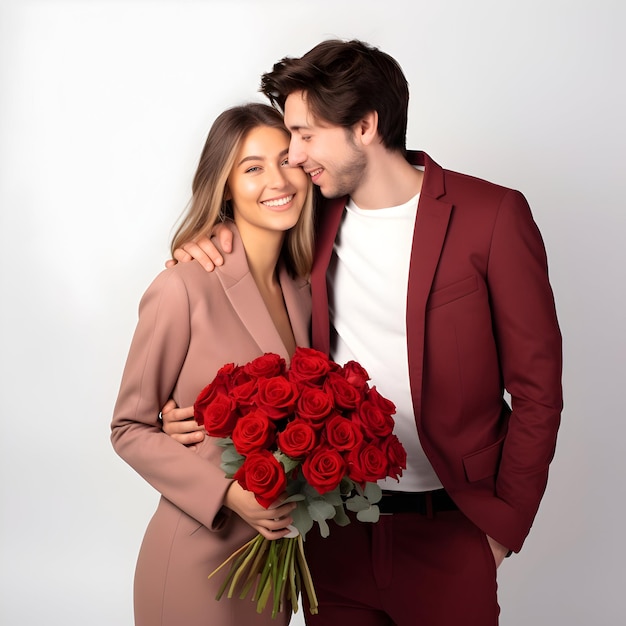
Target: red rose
{"type": "Point", "coordinates": [314, 406]}
{"type": "Point", "coordinates": [266, 366]}
{"type": "Point", "coordinates": [367, 463]}
{"type": "Point", "coordinates": [277, 396]}
{"type": "Point", "coordinates": [324, 469]}
{"type": "Point", "coordinates": [244, 394]}
{"type": "Point", "coordinates": [253, 431]}
{"type": "Point", "coordinates": [396, 456]}
{"type": "Point", "coordinates": [356, 375]}
{"type": "Point", "coordinates": [308, 367]}
{"type": "Point", "coordinates": [386, 406]}
{"type": "Point", "coordinates": [342, 434]}
{"type": "Point", "coordinates": [297, 440]}
{"type": "Point", "coordinates": [343, 393]}
{"type": "Point", "coordinates": [223, 380]}
{"type": "Point", "coordinates": [218, 416]}
{"type": "Point", "coordinates": [375, 422]}
{"type": "Point", "coordinates": [263, 475]}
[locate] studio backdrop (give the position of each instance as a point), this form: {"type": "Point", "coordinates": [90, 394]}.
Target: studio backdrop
{"type": "Point", "coordinates": [104, 108]}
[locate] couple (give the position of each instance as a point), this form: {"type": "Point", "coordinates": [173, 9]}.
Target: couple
{"type": "Point", "coordinates": [456, 308]}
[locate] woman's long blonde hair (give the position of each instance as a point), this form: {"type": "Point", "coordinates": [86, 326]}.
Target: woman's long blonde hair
{"type": "Point", "coordinates": [208, 205]}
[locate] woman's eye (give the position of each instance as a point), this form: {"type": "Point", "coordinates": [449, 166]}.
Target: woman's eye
{"type": "Point", "coordinates": [285, 163]}
{"type": "Point", "coordinates": [254, 168]}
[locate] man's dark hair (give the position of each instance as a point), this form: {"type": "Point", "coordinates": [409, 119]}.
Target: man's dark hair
{"type": "Point", "coordinates": [343, 81]}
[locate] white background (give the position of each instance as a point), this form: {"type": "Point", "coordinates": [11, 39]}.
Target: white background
{"type": "Point", "coordinates": [104, 108]}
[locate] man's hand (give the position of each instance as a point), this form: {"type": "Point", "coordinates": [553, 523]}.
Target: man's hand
{"type": "Point", "coordinates": [499, 551]}
{"type": "Point", "coordinates": [271, 523]}
{"type": "Point", "coordinates": [180, 425]}
{"type": "Point", "coordinates": [203, 250]}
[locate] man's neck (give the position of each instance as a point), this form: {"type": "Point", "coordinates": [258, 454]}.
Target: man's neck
{"type": "Point", "coordinates": [390, 181]}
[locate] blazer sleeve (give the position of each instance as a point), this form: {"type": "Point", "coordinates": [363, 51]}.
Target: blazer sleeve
{"type": "Point", "coordinates": [191, 480]}
{"type": "Point", "coordinates": [529, 345]}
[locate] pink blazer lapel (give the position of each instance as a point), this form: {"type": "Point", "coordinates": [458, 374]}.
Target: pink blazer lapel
{"type": "Point", "coordinates": [246, 300]}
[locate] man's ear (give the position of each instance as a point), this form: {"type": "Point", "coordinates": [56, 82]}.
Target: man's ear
{"type": "Point", "coordinates": [366, 128]}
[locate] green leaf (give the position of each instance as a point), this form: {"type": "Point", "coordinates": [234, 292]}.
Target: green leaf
{"type": "Point", "coordinates": [302, 519]}
{"type": "Point", "coordinates": [287, 462]}
{"type": "Point", "coordinates": [224, 442]}
{"type": "Point", "coordinates": [295, 497]}
{"type": "Point", "coordinates": [373, 492]}
{"type": "Point", "coordinates": [230, 468]}
{"type": "Point", "coordinates": [346, 486]}
{"type": "Point", "coordinates": [324, 530]}
{"type": "Point", "coordinates": [310, 492]}
{"type": "Point", "coordinates": [341, 519]}
{"type": "Point", "coordinates": [371, 514]}
{"type": "Point", "coordinates": [357, 503]}
{"type": "Point", "coordinates": [230, 455]}
{"type": "Point", "coordinates": [333, 497]}
{"type": "Point", "coordinates": [320, 510]}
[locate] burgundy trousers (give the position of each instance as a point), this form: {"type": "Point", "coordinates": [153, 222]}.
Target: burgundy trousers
{"type": "Point", "coordinates": [406, 570]}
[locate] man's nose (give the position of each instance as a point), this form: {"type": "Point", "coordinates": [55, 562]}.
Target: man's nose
{"type": "Point", "coordinates": [296, 155]}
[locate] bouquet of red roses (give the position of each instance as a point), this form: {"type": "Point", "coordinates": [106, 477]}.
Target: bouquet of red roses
{"type": "Point", "coordinates": [317, 432]}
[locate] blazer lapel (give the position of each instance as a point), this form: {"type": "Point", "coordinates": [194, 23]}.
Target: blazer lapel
{"type": "Point", "coordinates": [246, 300]}
{"type": "Point", "coordinates": [431, 224]}
{"type": "Point", "coordinates": [330, 215]}
{"type": "Point", "coordinates": [297, 296]}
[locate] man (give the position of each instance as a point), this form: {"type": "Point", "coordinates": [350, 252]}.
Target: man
{"type": "Point", "coordinates": [457, 310]}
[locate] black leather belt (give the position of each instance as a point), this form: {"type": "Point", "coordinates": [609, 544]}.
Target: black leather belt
{"type": "Point", "coordinates": [424, 502]}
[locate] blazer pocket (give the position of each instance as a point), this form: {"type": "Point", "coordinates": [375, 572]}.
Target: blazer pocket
{"type": "Point", "coordinates": [452, 292]}
{"type": "Point", "coordinates": [484, 463]}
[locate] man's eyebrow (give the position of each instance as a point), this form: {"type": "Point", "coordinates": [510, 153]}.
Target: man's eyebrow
{"type": "Point", "coordinates": [298, 128]}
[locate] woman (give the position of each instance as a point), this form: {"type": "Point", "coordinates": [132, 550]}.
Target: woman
{"type": "Point", "coordinates": [190, 324]}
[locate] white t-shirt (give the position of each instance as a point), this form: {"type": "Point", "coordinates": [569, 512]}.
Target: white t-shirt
{"type": "Point", "coordinates": [368, 281]}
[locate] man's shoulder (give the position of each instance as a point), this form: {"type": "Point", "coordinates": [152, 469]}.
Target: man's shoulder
{"type": "Point", "coordinates": [452, 185]}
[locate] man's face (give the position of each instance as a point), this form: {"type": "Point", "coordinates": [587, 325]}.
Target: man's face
{"type": "Point", "coordinates": [328, 154]}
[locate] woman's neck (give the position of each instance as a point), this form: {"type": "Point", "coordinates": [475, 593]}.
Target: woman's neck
{"type": "Point", "coordinates": [262, 253]}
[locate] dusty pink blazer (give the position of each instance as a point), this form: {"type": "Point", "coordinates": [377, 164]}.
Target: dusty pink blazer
{"type": "Point", "coordinates": [190, 324]}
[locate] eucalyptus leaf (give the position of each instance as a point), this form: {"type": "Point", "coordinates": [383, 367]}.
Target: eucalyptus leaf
{"type": "Point", "coordinates": [341, 519]}
{"type": "Point", "coordinates": [346, 486]}
{"type": "Point", "coordinates": [324, 530]}
{"type": "Point", "coordinates": [333, 497]}
{"type": "Point", "coordinates": [357, 503]}
{"type": "Point", "coordinates": [287, 462]}
{"type": "Point", "coordinates": [310, 492]}
{"type": "Point", "coordinates": [371, 514]}
{"type": "Point", "coordinates": [373, 492]}
{"type": "Point", "coordinates": [230, 468]}
{"type": "Point", "coordinates": [302, 519]}
{"type": "Point", "coordinates": [295, 497]}
{"type": "Point", "coordinates": [224, 442]}
{"type": "Point", "coordinates": [320, 510]}
{"type": "Point", "coordinates": [230, 455]}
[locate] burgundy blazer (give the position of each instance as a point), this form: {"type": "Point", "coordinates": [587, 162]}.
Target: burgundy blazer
{"type": "Point", "coordinates": [480, 319]}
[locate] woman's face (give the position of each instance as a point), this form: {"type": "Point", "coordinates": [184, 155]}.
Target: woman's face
{"type": "Point", "coordinates": [266, 193]}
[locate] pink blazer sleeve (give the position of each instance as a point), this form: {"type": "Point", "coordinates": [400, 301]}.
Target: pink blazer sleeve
{"type": "Point", "coordinates": [193, 481]}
